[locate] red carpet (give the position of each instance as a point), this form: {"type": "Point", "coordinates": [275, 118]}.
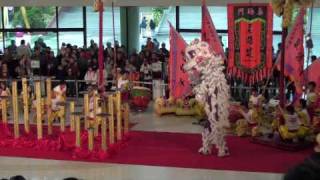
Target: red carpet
{"type": "Point", "coordinates": [180, 150]}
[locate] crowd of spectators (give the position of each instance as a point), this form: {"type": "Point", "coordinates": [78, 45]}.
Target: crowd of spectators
{"type": "Point", "coordinates": [73, 62]}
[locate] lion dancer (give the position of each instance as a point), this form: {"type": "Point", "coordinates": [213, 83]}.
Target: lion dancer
{"type": "Point", "coordinates": [205, 71]}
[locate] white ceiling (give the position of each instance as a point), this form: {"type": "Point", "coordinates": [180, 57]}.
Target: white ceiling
{"type": "Point", "coordinates": [126, 2]}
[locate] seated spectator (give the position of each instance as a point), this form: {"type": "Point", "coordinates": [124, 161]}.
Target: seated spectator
{"type": "Point", "coordinates": [91, 76]}
{"type": "Point", "coordinates": [129, 67]}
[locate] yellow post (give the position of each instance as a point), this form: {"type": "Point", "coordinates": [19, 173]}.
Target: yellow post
{"type": "Point", "coordinates": [72, 109]}
{"type": "Point", "coordinates": [38, 109]}
{"type": "Point", "coordinates": [62, 118]}
{"type": "Point", "coordinates": [15, 109]}
{"type": "Point", "coordinates": [25, 98]}
{"type": "Point", "coordinates": [25, 16]}
{"type": "Point", "coordinates": [49, 101]}
{"type": "Point", "coordinates": [119, 118]}
{"type": "Point", "coordinates": [126, 117]}
{"type": "Point", "coordinates": [4, 110]}
{"type": "Point", "coordinates": [103, 117]}
{"type": "Point", "coordinates": [90, 138]}
{"type": "Point", "coordinates": [78, 131]}
{"type": "Point", "coordinates": [86, 110]}
{"type": "Point", "coordinates": [95, 112]}
{"type": "Point", "coordinates": [111, 119]}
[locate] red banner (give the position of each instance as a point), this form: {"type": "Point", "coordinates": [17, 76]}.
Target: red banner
{"type": "Point", "coordinates": [250, 41]}
{"type": "Point", "coordinates": [312, 73]}
{"type": "Point", "coordinates": [209, 33]}
{"type": "Point", "coordinates": [294, 53]}
{"type": "Point", "coordinates": [179, 83]}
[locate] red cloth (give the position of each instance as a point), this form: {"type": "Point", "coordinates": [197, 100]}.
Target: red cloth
{"type": "Point", "coordinates": [179, 83]}
{"type": "Point", "coordinates": [294, 53]}
{"type": "Point", "coordinates": [312, 73]}
{"type": "Point", "coordinates": [176, 150]}
{"type": "Point", "coordinates": [209, 33]}
{"type": "Point", "coordinates": [100, 52]}
{"type": "Point", "coordinates": [250, 41]}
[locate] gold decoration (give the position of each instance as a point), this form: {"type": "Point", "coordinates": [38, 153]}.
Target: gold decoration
{"type": "Point", "coordinates": [285, 8]}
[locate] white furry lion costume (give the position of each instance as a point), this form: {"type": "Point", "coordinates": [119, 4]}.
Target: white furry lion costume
{"type": "Point", "coordinates": [205, 71]}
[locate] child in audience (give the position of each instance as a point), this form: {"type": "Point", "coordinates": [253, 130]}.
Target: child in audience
{"type": "Point", "coordinates": [292, 128]}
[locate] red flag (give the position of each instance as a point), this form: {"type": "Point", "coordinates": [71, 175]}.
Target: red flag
{"type": "Point", "coordinates": [100, 52]}
{"type": "Point", "coordinates": [179, 83]}
{"type": "Point", "coordinates": [294, 53]}
{"type": "Point", "coordinates": [209, 33]}
{"type": "Point", "coordinates": [312, 73]}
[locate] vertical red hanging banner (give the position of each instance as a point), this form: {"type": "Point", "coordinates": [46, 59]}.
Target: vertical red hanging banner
{"type": "Point", "coordinates": [100, 52]}
{"type": "Point", "coordinates": [250, 41]}
{"type": "Point", "coordinates": [179, 83]}
{"type": "Point", "coordinates": [209, 33]}
{"type": "Point", "coordinates": [294, 53]}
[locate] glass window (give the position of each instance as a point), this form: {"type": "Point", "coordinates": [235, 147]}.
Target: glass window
{"type": "Point", "coordinates": [160, 29]}
{"type": "Point", "coordinates": [49, 39]}
{"type": "Point", "coordinates": [277, 23]}
{"type": "Point", "coordinates": [188, 37]}
{"type": "Point", "coordinates": [315, 31]}
{"type": "Point", "coordinates": [73, 38]}
{"type": "Point", "coordinates": [29, 17]}
{"type": "Point", "coordinates": [1, 43]}
{"type": "Point", "coordinates": [93, 25]}
{"type": "Point", "coordinates": [190, 17]}
{"type": "Point", "coordinates": [70, 17]}
{"type": "Point", "coordinates": [0, 17]}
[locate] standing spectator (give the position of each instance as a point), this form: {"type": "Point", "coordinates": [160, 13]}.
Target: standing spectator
{"type": "Point", "coordinates": [152, 26]}
{"type": "Point", "coordinates": [35, 61]}
{"type": "Point", "coordinates": [313, 59]}
{"type": "Point", "coordinates": [60, 73]}
{"type": "Point", "coordinates": [156, 44]}
{"type": "Point", "coordinates": [143, 27]}
{"type": "Point", "coordinates": [70, 85]}
{"type": "Point", "coordinates": [108, 52]}
{"type": "Point", "coordinates": [156, 67]}
{"type": "Point", "coordinates": [23, 50]}
{"type": "Point", "coordinates": [146, 71]}
{"type": "Point", "coordinates": [24, 67]}
{"type": "Point", "coordinates": [13, 49]}
{"type": "Point", "coordinates": [129, 67]}
{"type": "Point", "coordinates": [149, 44]}
{"type": "Point", "coordinates": [164, 51]}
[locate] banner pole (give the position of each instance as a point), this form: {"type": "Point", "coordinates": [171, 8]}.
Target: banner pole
{"type": "Point", "coordinates": [282, 63]}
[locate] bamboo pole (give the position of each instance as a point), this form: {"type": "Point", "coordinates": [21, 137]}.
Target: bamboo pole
{"type": "Point", "coordinates": [63, 118]}
{"type": "Point", "coordinates": [38, 109]}
{"type": "Point", "coordinates": [104, 134]}
{"type": "Point", "coordinates": [49, 101]}
{"type": "Point", "coordinates": [78, 130]}
{"type": "Point", "coordinates": [95, 112]}
{"type": "Point", "coordinates": [111, 119]}
{"type": "Point", "coordinates": [86, 110]}
{"type": "Point", "coordinates": [126, 117]}
{"type": "Point", "coordinates": [90, 138]}
{"type": "Point", "coordinates": [4, 110]}
{"type": "Point", "coordinates": [72, 121]}
{"type": "Point", "coordinates": [15, 109]}
{"type": "Point", "coordinates": [25, 105]}
{"type": "Point", "coordinates": [119, 118]}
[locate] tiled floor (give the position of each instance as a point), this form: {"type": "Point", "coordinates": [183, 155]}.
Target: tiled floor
{"type": "Point", "coordinates": [35, 169]}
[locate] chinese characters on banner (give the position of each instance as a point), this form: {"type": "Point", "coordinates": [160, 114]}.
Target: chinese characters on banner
{"type": "Point", "coordinates": [209, 33]}
{"type": "Point", "coordinates": [250, 41]}
{"type": "Point", "coordinates": [179, 83]}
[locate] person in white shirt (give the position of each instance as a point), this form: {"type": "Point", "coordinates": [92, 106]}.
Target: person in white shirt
{"type": "Point", "coordinates": [91, 76]}
{"type": "Point", "coordinates": [23, 49]}
{"type": "Point", "coordinates": [146, 71]}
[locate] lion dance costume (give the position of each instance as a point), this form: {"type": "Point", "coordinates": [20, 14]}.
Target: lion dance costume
{"type": "Point", "coordinates": [205, 71]}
